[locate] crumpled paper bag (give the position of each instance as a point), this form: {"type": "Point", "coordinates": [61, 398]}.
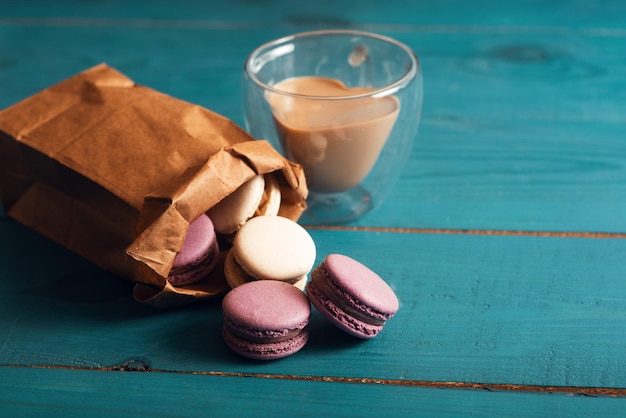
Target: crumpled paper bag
{"type": "Point", "coordinates": [116, 172]}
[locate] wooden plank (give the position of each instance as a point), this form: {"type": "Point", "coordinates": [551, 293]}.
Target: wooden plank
{"type": "Point", "coordinates": [28, 392]}
{"type": "Point", "coordinates": [478, 309]}
{"type": "Point", "coordinates": [522, 130]}
{"type": "Point", "coordinates": [508, 139]}
{"type": "Point", "coordinates": [508, 15]}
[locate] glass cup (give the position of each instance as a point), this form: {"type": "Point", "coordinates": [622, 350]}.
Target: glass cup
{"type": "Point", "coordinates": [345, 105]}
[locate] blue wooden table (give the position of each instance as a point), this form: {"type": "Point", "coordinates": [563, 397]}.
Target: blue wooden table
{"type": "Point", "coordinates": [505, 238]}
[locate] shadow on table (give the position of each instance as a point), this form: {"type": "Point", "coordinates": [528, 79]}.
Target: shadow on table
{"type": "Point", "coordinates": [47, 290]}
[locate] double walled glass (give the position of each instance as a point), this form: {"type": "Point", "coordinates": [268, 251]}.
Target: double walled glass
{"type": "Point", "coordinates": [345, 105]}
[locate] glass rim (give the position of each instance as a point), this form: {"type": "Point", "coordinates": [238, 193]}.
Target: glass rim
{"type": "Point", "coordinates": [377, 92]}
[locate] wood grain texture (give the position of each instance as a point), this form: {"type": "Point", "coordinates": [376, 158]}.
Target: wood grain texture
{"type": "Point", "coordinates": [507, 15]}
{"type": "Point", "coordinates": [521, 129]}
{"type": "Point", "coordinates": [33, 392]}
{"type": "Point", "coordinates": [478, 309]}
{"type": "Point", "coordinates": [503, 239]}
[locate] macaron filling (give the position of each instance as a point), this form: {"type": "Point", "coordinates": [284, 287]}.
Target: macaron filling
{"type": "Point", "coordinates": [265, 350]}
{"type": "Point", "coordinates": [263, 336]}
{"type": "Point", "coordinates": [340, 317]}
{"type": "Point", "coordinates": [194, 272]}
{"type": "Point", "coordinates": [322, 280]}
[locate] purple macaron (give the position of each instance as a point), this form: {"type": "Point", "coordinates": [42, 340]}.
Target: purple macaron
{"type": "Point", "coordinates": [351, 296]}
{"type": "Point", "coordinates": [198, 255]}
{"type": "Point", "coordinates": [266, 319]}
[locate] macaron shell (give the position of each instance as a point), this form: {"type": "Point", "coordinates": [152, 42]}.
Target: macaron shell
{"type": "Point", "coordinates": [235, 209]}
{"type": "Point", "coordinates": [301, 283]}
{"type": "Point", "coordinates": [360, 287]}
{"type": "Point", "coordinates": [270, 203]}
{"type": "Point", "coordinates": [235, 276]}
{"type": "Point", "coordinates": [196, 271]}
{"type": "Point", "coordinates": [199, 239]}
{"type": "Point", "coordinates": [266, 309]}
{"type": "Point", "coordinates": [265, 351]}
{"type": "Point", "coordinates": [338, 316]}
{"type": "Point", "coordinates": [273, 247]}
{"type": "Point", "coordinates": [265, 319]}
{"type": "Point", "coordinates": [198, 255]}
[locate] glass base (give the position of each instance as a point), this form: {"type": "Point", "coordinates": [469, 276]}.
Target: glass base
{"type": "Point", "coordinates": [333, 208]}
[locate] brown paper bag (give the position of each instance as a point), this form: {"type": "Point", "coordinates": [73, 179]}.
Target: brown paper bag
{"type": "Point", "coordinates": [116, 172]}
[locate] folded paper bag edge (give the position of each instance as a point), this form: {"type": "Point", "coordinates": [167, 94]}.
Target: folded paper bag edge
{"type": "Point", "coordinates": [293, 185]}
{"type": "Point", "coordinates": [172, 209]}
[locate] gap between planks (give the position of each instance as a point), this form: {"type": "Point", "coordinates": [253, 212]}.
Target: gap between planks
{"type": "Point", "coordinates": [140, 366]}
{"type": "Point", "coordinates": [458, 231]}
{"type": "Point", "coordinates": [549, 234]}
{"type": "Point", "coordinates": [504, 387]}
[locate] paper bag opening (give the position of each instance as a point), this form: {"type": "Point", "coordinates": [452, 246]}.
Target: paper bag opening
{"type": "Point", "coordinates": [116, 172]}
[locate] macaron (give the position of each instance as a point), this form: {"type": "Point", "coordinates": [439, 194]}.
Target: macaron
{"type": "Point", "coordinates": [351, 296]}
{"type": "Point", "coordinates": [270, 248]}
{"type": "Point", "coordinates": [236, 276]}
{"type": "Point", "coordinates": [198, 255]}
{"type": "Point", "coordinates": [265, 320]}
{"type": "Point", "coordinates": [270, 202]}
{"type": "Point", "coordinates": [254, 197]}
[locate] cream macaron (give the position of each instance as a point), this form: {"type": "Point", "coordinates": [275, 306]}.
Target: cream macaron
{"type": "Point", "coordinates": [270, 202]}
{"type": "Point", "coordinates": [234, 210]}
{"type": "Point", "coordinates": [258, 196]}
{"type": "Point", "coordinates": [270, 248]}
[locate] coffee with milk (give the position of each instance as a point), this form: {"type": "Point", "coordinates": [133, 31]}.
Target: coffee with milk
{"type": "Point", "coordinates": [335, 132]}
